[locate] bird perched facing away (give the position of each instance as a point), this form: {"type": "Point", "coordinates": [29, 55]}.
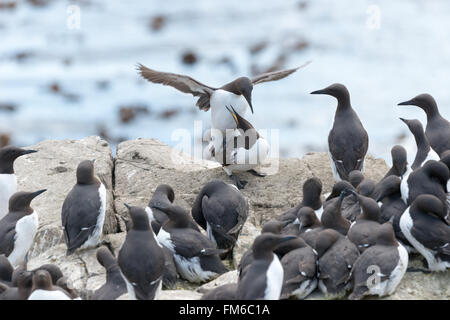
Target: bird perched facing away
{"type": "Point", "coordinates": [426, 226]}
{"type": "Point", "coordinates": [19, 227]}
{"type": "Point", "coordinates": [243, 150]}
{"type": "Point", "coordinates": [348, 140]}
{"type": "Point", "coordinates": [8, 180]}
{"type": "Point", "coordinates": [237, 93]}
{"type": "Point", "coordinates": [221, 209]}
{"type": "Point", "coordinates": [196, 257]}
{"type": "Point", "coordinates": [399, 162]}
{"type": "Point", "coordinates": [438, 128]}
{"type": "Point", "coordinates": [141, 259]}
{"type": "Point", "coordinates": [83, 211]}
{"type": "Point", "coordinates": [43, 288]}
{"type": "Point", "coordinates": [263, 278]}
{"type": "Point", "coordinates": [387, 261]}
{"type": "Point", "coordinates": [337, 255]}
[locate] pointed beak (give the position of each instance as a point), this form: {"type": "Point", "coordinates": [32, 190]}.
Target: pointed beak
{"type": "Point", "coordinates": [233, 113]}
{"type": "Point", "coordinates": [406, 103]}
{"type": "Point", "coordinates": [35, 194]}
{"type": "Point", "coordinates": [404, 120]}
{"type": "Point", "coordinates": [127, 206]}
{"type": "Point", "coordinates": [248, 96]}
{"type": "Point", "coordinates": [25, 152]}
{"type": "Point", "coordinates": [323, 91]}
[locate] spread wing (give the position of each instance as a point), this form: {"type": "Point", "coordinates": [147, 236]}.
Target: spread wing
{"type": "Point", "coordinates": [276, 75]}
{"type": "Point", "coordinates": [180, 82]}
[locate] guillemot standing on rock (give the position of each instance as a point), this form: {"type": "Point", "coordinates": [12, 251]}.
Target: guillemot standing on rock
{"type": "Point", "coordinates": [312, 189]}
{"type": "Point", "coordinates": [387, 258]}
{"type": "Point", "coordinates": [141, 259]}
{"type": "Point", "coordinates": [243, 150]}
{"type": "Point", "coordinates": [426, 226]}
{"type": "Point", "coordinates": [8, 180]}
{"type": "Point", "coordinates": [196, 257]}
{"type": "Point", "coordinates": [114, 286]}
{"type": "Point", "coordinates": [438, 128]}
{"type": "Point", "coordinates": [83, 211]}
{"type": "Point", "coordinates": [18, 227]}
{"type": "Point", "coordinates": [263, 278]}
{"type": "Point", "coordinates": [221, 209]}
{"type": "Point", "coordinates": [237, 93]}
{"type": "Point", "coordinates": [337, 255]}
{"type": "Point", "coordinates": [348, 140]}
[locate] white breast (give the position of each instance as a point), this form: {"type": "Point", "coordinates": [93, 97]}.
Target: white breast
{"type": "Point", "coordinates": [8, 186]}
{"type": "Point", "coordinates": [221, 118]}
{"type": "Point", "coordinates": [164, 239]}
{"type": "Point", "coordinates": [94, 238]}
{"type": "Point", "coordinates": [404, 189]}
{"type": "Point", "coordinates": [48, 295]}
{"type": "Point", "coordinates": [319, 213]}
{"type": "Point", "coordinates": [26, 229]}
{"type": "Point", "coordinates": [274, 278]}
{"type": "Point", "coordinates": [243, 160]}
{"type": "Point", "coordinates": [191, 270]}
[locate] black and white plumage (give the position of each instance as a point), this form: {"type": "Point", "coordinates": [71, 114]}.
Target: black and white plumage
{"type": "Point", "coordinates": [348, 140]}
{"type": "Point", "coordinates": [242, 150]}
{"type": "Point", "coordinates": [363, 232]}
{"type": "Point", "coordinates": [263, 278]}
{"type": "Point", "coordinates": [445, 159]}
{"type": "Point", "coordinates": [196, 257]}
{"type": "Point", "coordinates": [19, 227]}
{"type": "Point", "coordinates": [431, 178]}
{"type": "Point", "coordinates": [437, 130]}
{"type": "Point", "coordinates": [83, 211]}
{"type": "Point", "coordinates": [164, 194]}
{"type": "Point", "coordinates": [8, 179]}
{"type": "Point", "coordinates": [424, 150]}
{"type": "Point", "coordinates": [300, 267]}
{"type": "Point", "coordinates": [237, 93]}
{"type": "Point", "coordinates": [221, 209]}
{"type": "Point", "coordinates": [141, 259]}
{"type": "Point", "coordinates": [337, 255]}
{"type": "Point", "coordinates": [385, 263]}
{"type": "Point", "coordinates": [43, 288]}
{"type": "Point", "coordinates": [115, 285]}
{"type": "Point", "coordinates": [426, 226]}
{"type": "Point", "coordinates": [312, 189]}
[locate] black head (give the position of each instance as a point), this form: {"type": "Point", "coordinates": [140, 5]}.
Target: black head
{"type": "Point", "coordinates": [8, 155]}
{"type": "Point", "coordinates": [399, 159]}
{"type": "Point", "coordinates": [424, 101]}
{"type": "Point", "coordinates": [42, 280]}
{"type": "Point", "coordinates": [366, 188]}
{"type": "Point", "coordinates": [429, 204]}
{"type": "Point", "coordinates": [265, 243]}
{"type": "Point", "coordinates": [273, 226]}
{"type": "Point", "coordinates": [371, 210]}
{"type": "Point", "coordinates": [437, 170]}
{"type": "Point", "coordinates": [105, 257]}
{"type": "Point", "coordinates": [337, 90]}
{"type": "Point", "coordinates": [54, 271]}
{"type": "Point", "coordinates": [20, 201]}
{"type": "Point", "coordinates": [386, 235]}
{"type": "Point", "coordinates": [139, 218]}
{"type": "Point", "coordinates": [85, 173]}
{"type": "Point", "coordinates": [164, 191]}
{"type": "Point", "coordinates": [312, 188]}
{"type": "Point", "coordinates": [325, 240]}
{"type": "Point", "coordinates": [414, 126]}
{"type": "Point", "coordinates": [355, 177]}
{"type": "Point", "coordinates": [388, 186]}
{"type": "Point", "coordinates": [338, 188]}
{"type": "Point", "coordinates": [307, 217]}
{"type": "Point", "coordinates": [178, 217]}
{"type": "Point", "coordinates": [244, 86]}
